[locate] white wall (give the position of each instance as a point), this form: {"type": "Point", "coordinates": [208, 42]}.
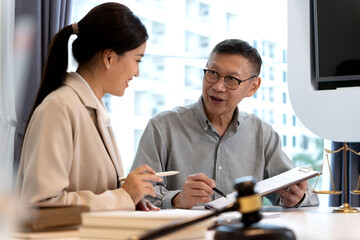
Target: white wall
{"type": "Point", "coordinates": [331, 114]}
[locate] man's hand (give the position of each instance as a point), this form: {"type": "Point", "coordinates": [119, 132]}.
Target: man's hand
{"type": "Point", "coordinates": [197, 189]}
{"type": "Point", "coordinates": [139, 183]}
{"type": "Point", "coordinates": [145, 205]}
{"type": "Point", "coordinates": [293, 194]}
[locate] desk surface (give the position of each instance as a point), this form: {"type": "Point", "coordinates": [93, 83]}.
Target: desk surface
{"type": "Point", "coordinates": [308, 223]}
{"type": "Point", "coordinates": [318, 223]}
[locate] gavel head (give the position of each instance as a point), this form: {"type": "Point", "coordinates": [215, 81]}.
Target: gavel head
{"type": "Point", "coordinates": [250, 202]}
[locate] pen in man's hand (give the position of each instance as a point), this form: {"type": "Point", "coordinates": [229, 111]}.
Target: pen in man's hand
{"type": "Point", "coordinates": [219, 192]}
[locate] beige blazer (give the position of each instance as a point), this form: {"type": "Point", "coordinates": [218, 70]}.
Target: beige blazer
{"type": "Point", "coordinates": [65, 158]}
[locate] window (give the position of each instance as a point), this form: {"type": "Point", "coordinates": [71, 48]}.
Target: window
{"type": "Point", "coordinates": [204, 12]}
{"type": "Point", "coordinates": [284, 119]}
{"type": "Point", "coordinates": [284, 77]}
{"type": "Point", "coordinates": [284, 56]}
{"type": "Point", "coordinates": [284, 97]}
{"type": "Point", "coordinates": [271, 73]}
{"type": "Point", "coordinates": [255, 45]}
{"type": "Point", "coordinates": [196, 43]}
{"type": "Point", "coordinates": [180, 39]}
{"type": "Point", "coordinates": [284, 140]}
{"type": "Point", "coordinates": [263, 95]}
{"type": "Point", "coordinates": [158, 33]}
{"type": "Point", "coordinates": [294, 120]}
{"type": "Point", "coordinates": [230, 21]}
{"type": "Point", "coordinates": [271, 50]}
{"type": "Point", "coordinates": [294, 141]}
{"type": "Point", "coordinates": [148, 104]}
{"type": "Point", "coordinates": [271, 94]}
{"type": "Point", "coordinates": [304, 142]}
{"type": "Point", "coordinates": [263, 48]}
{"type": "Point", "coordinates": [198, 11]}
{"type": "Point", "coordinates": [149, 64]}
{"type": "Point", "coordinates": [264, 71]}
{"type": "Point", "coordinates": [156, 30]}
{"type": "Point", "coordinates": [193, 77]}
{"type": "Point", "coordinates": [271, 117]}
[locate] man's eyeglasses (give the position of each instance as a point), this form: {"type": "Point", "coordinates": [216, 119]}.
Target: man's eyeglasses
{"type": "Point", "coordinates": [230, 82]}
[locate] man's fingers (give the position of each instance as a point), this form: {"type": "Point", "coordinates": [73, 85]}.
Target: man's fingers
{"type": "Point", "coordinates": [198, 185]}
{"type": "Point", "coordinates": [203, 178]}
{"type": "Point", "coordinates": [198, 193]}
{"type": "Point", "coordinates": [303, 185]}
{"type": "Point", "coordinates": [283, 193]}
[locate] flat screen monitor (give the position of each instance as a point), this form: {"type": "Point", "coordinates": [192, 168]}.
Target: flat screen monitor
{"type": "Point", "coordinates": [335, 43]}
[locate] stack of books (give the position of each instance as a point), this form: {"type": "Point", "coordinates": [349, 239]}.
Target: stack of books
{"type": "Point", "coordinates": [127, 224]}
{"type": "Point", "coordinates": [43, 221]}
{"type": "Point", "coordinates": [44, 216]}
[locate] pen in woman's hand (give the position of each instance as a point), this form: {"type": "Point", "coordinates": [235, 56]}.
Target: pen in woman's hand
{"type": "Point", "coordinates": [160, 174]}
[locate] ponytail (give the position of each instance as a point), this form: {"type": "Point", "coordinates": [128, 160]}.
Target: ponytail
{"type": "Point", "coordinates": [56, 65]}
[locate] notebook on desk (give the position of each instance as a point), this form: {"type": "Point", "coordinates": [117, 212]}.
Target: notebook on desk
{"type": "Point", "coordinates": [270, 185]}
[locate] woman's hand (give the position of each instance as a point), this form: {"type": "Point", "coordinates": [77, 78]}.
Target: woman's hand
{"type": "Point", "coordinates": [139, 183]}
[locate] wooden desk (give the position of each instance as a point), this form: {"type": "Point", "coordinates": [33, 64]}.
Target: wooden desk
{"type": "Point", "coordinates": [318, 223]}
{"type": "Point", "coordinates": [308, 223]}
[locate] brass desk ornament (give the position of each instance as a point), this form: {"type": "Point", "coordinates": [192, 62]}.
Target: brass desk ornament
{"type": "Point", "coordinates": [345, 207]}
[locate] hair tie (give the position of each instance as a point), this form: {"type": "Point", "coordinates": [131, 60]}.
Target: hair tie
{"type": "Point", "coordinates": [75, 28]}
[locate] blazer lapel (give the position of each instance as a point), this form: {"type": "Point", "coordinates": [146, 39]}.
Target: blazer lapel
{"type": "Point", "coordinates": [75, 82]}
{"type": "Point", "coordinates": [110, 144]}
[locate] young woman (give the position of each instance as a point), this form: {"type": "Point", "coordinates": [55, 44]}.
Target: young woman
{"type": "Point", "coordinates": [69, 154]}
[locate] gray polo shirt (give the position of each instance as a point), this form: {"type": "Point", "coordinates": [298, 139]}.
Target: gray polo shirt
{"type": "Point", "coordinates": [184, 140]}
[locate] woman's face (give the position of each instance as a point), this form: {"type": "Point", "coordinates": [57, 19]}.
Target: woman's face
{"type": "Point", "coordinates": [122, 68]}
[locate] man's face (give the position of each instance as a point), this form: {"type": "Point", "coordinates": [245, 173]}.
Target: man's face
{"type": "Point", "coordinates": [220, 101]}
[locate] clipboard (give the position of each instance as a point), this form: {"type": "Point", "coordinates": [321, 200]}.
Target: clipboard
{"type": "Point", "coordinates": [270, 185]}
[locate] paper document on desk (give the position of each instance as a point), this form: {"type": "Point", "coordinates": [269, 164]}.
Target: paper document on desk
{"type": "Point", "coordinates": [270, 185]}
{"type": "Point", "coordinates": [124, 224]}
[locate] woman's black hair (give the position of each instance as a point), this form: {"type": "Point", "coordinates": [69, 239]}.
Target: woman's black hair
{"type": "Point", "coordinates": [107, 26]}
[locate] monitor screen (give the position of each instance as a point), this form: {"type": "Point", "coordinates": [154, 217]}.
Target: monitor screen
{"type": "Point", "coordinates": [336, 43]}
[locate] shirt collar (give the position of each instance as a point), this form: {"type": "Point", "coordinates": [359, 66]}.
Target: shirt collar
{"type": "Point", "coordinates": [205, 122]}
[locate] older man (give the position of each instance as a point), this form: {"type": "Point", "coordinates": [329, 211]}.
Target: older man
{"type": "Point", "coordinates": [212, 143]}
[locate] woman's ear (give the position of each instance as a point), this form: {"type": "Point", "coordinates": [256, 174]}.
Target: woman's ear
{"type": "Point", "coordinates": [254, 86]}
{"type": "Point", "coordinates": [107, 58]}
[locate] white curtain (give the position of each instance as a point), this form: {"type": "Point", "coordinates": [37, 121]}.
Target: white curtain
{"type": "Point", "coordinates": [7, 94]}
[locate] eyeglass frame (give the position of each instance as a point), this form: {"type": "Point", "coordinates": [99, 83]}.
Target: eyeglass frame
{"type": "Point", "coordinates": [238, 80]}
